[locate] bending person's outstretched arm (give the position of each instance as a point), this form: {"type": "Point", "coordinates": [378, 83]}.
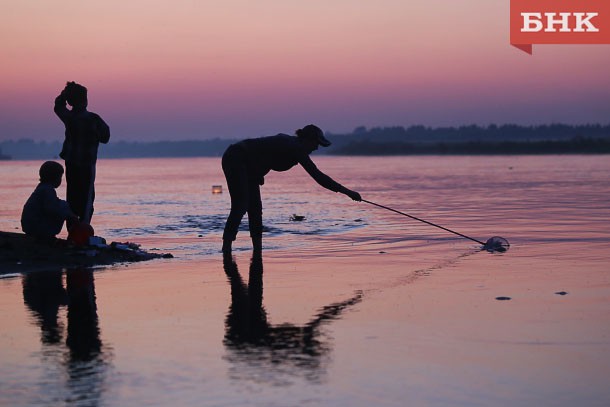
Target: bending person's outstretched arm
{"type": "Point", "coordinates": [326, 181]}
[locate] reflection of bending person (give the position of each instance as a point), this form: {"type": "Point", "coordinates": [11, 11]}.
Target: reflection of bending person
{"type": "Point", "coordinates": [247, 319]}
{"type": "Point", "coordinates": [245, 165]}
{"type": "Point", "coordinates": [253, 340]}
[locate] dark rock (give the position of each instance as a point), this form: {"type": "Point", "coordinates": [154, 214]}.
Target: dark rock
{"type": "Point", "coordinates": [19, 252]}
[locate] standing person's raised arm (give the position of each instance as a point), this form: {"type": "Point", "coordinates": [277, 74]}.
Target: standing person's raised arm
{"type": "Point", "coordinates": [60, 107]}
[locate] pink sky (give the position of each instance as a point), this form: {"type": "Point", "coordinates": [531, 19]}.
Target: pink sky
{"type": "Point", "coordinates": [190, 69]}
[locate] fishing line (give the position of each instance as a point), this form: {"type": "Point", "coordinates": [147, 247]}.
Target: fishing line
{"type": "Point", "coordinates": [493, 244]}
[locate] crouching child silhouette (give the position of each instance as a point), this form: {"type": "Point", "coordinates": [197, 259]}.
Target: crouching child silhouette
{"type": "Point", "coordinates": [84, 131]}
{"type": "Point", "coordinates": [44, 213]}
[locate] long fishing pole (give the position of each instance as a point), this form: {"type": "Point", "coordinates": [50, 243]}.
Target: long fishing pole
{"type": "Point", "coordinates": [424, 221]}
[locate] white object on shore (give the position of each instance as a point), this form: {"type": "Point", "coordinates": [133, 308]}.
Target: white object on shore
{"type": "Point", "coordinates": [97, 241]}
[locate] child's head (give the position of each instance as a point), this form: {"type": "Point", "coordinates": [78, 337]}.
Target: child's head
{"type": "Point", "coordinates": [51, 172]}
{"type": "Point", "coordinates": [76, 94]}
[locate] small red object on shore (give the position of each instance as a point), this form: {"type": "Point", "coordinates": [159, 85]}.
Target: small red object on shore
{"type": "Point", "coordinates": [80, 233]}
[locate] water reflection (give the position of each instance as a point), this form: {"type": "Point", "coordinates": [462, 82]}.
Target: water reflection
{"type": "Point", "coordinates": [81, 365]}
{"type": "Point", "coordinates": [44, 294]}
{"type": "Point", "coordinates": [274, 353]}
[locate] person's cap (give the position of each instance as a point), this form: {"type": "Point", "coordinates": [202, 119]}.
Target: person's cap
{"type": "Point", "coordinates": [312, 131]}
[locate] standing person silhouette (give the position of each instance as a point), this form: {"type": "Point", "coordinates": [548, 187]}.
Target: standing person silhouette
{"type": "Point", "coordinates": [84, 131]}
{"type": "Point", "coordinates": [245, 165]}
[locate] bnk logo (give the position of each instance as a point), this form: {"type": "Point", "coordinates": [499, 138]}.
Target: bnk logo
{"type": "Point", "coordinates": [559, 22]}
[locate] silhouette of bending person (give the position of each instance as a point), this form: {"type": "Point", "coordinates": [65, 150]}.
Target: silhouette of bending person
{"type": "Point", "coordinates": [254, 340]}
{"type": "Point", "coordinates": [84, 131]}
{"type": "Point", "coordinates": [245, 165]}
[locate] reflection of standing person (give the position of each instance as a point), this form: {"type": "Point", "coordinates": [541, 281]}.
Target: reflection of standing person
{"type": "Point", "coordinates": [87, 360]}
{"type": "Point", "coordinates": [245, 165]}
{"type": "Point", "coordinates": [84, 131]}
{"type": "Point", "coordinates": [83, 330]}
{"type": "Point", "coordinates": [44, 293]}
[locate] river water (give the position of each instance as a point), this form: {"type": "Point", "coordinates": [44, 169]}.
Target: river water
{"type": "Point", "coordinates": [194, 331]}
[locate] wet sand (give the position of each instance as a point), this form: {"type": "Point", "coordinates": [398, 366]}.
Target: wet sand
{"type": "Point", "coordinates": [527, 327]}
{"type": "Point", "coordinates": [395, 326]}
{"type": "Point", "coordinates": [460, 345]}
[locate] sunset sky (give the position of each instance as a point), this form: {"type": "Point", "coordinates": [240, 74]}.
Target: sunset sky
{"type": "Point", "coordinates": [196, 69]}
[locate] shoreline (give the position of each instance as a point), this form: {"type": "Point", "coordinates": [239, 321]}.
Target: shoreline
{"type": "Point", "coordinates": [20, 253]}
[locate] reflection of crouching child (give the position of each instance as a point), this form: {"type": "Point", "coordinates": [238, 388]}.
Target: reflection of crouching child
{"type": "Point", "coordinates": [44, 213]}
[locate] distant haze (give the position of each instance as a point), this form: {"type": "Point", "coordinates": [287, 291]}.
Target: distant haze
{"type": "Point", "coordinates": [159, 70]}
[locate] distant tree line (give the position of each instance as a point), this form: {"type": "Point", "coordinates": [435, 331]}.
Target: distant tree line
{"type": "Point", "coordinates": [493, 139]}
{"type": "Point", "coordinates": [578, 145]}
{"type": "Point", "coordinates": [27, 149]}
{"type": "Point", "coordinates": [184, 148]}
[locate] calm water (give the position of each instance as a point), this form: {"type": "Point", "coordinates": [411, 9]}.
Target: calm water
{"type": "Point", "coordinates": [330, 327]}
